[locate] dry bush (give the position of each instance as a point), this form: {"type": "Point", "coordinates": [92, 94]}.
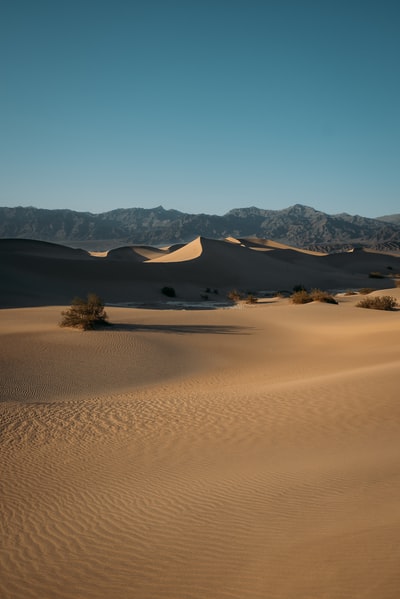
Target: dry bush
{"type": "Point", "coordinates": [384, 302]}
{"type": "Point", "coordinates": [85, 314]}
{"type": "Point", "coordinates": [317, 295]}
{"type": "Point", "coordinates": [251, 299]}
{"type": "Point", "coordinates": [168, 291]}
{"type": "Point", "coordinates": [234, 295]}
{"type": "Point", "coordinates": [365, 290]}
{"type": "Point", "coordinates": [301, 297]}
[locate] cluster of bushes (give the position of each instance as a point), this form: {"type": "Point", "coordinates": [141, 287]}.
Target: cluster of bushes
{"type": "Point", "coordinates": [302, 296]}
{"type": "Point", "coordinates": [87, 314]}
{"type": "Point", "coordinates": [384, 302]}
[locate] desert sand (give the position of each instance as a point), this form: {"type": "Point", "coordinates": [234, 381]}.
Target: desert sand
{"type": "Point", "coordinates": [35, 273]}
{"type": "Point", "coordinates": [233, 453]}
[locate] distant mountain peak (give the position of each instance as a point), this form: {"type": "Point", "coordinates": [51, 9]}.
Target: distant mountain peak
{"type": "Point", "coordinates": [298, 226]}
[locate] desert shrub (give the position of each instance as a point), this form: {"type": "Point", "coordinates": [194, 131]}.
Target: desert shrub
{"type": "Point", "coordinates": [366, 290]}
{"type": "Point", "coordinates": [384, 302]}
{"type": "Point", "coordinates": [317, 295]}
{"type": "Point", "coordinates": [301, 297]}
{"type": "Point", "coordinates": [234, 295]}
{"type": "Point", "coordinates": [299, 287]}
{"type": "Point", "coordinates": [168, 291]}
{"type": "Point", "coordinates": [251, 299]}
{"type": "Point", "coordinates": [376, 275]}
{"type": "Point", "coordinates": [85, 314]}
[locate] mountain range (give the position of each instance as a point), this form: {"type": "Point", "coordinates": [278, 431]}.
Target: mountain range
{"type": "Point", "coordinates": [300, 226]}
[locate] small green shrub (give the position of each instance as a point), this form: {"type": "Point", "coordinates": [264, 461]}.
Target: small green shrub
{"type": "Point", "coordinates": [85, 314]}
{"type": "Point", "coordinates": [384, 302]}
{"type": "Point", "coordinates": [168, 291]}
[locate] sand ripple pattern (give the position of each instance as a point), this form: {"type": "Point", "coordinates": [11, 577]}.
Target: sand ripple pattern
{"type": "Point", "coordinates": [189, 495]}
{"type": "Point", "coordinates": [207, 484]}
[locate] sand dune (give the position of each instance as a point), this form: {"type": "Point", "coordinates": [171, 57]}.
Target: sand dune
{"type": "Point", "coordinates": [141, 253]}
{"type": "Point", "coordinates": [237, 453]}
{"type": "Point", "coordinates": [268, 244]}
{"type": "Point", "coordinates": [190, 251]}
{"type": "Point", "coordinates": [34, 273]}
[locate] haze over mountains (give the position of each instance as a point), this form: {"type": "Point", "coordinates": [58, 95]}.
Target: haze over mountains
{"type": "Point", "coordinates": [300, 226]}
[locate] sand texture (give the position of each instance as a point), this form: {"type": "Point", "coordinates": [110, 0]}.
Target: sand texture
{"type": "Point", "coordinates": [237, 453]}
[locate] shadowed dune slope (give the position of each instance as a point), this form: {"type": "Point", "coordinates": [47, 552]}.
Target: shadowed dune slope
{"type": "Point", "coordinates": [37, 273]}
{"type": "Point", "coordinates": [141, 253]}
{"type": "Point", "coordinates": [363, 262]}
{"type": "Point", "coordinates": [268, 244]}
{"type": "Point", "coordinates": [43, 249]}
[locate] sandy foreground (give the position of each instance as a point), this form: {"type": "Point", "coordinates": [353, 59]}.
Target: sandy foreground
{"type": "Point", "coordinates": [249, 452]}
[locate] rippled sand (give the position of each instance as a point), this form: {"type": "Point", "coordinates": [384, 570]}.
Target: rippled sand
{"type": "Point", "coordinates": [241, 453]}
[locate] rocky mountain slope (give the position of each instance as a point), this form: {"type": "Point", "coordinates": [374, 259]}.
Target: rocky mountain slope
{"type": "Point", "coordinates": [298, 225]}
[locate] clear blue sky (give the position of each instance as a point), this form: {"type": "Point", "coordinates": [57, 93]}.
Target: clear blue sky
{"type": "Point", "coordinates": [200, 105]}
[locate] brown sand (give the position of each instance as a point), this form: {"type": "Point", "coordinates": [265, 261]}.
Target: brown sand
{"type": "Point", "coordinates": [34, 273]}
{"type": "Point", "coordinates": [244, 453]}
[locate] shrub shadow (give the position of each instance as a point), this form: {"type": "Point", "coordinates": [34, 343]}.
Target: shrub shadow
{"type": "Point", "coordinates": [177, 329]}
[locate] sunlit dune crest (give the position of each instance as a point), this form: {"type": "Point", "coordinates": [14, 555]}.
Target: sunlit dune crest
{"type": "Point", "coordinates": [189, 251]}
{"type": "Point", "coordinates": [99, 254]}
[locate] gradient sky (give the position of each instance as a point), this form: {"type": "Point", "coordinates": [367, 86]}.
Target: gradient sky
{"type": "Point", "coordinates": [200, 106]}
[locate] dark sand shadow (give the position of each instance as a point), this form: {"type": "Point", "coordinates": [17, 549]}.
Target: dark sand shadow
{"type": "Point", "coordinates": [177, 329]}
